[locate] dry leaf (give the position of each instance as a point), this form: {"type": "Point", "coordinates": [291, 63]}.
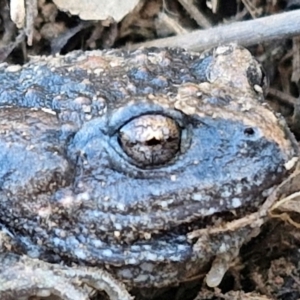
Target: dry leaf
{"type": "Point", "coordinates": [97, 9]}
{"type": "Point", "coordinates": [17, 12]}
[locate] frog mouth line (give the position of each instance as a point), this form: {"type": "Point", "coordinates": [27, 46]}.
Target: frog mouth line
{"type": "Point", "coordinates": [168, 245]}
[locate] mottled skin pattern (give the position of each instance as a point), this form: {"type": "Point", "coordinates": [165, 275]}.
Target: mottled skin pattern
{"type": "Point", "coordinates": [69, 191]}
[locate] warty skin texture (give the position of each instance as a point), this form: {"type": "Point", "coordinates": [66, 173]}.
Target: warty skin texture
{"type": "Point", "coordinates": [69, 191]}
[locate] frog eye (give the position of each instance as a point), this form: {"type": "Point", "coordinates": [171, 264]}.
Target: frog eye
{"type": "Point", "coordinates": [150, 140]}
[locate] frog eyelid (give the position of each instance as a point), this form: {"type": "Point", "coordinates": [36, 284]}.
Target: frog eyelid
{"type": "Point", "coordinates": [120, 117]}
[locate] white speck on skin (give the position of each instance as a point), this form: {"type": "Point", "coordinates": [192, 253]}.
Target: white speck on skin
{"type": "Point", "coordinates": [151, 257]}
{"type": "Point", "coordinates": [148, 267]}
{"type": "Point", "coordinates": [79, 253]}
{"type": "Point", "coordinates": [49, 111]}
{"type": "Point", "coordinates": [173, 177]}
{"type": "Point", "coordinates": [118, 226]}
{"type": "Point", "coordinates": [258, 88]}
{"type": "Point", "coordinates": [197, 197]}
{"type": "Point", "coordinates": [141, 278]}
{"type": "Point", "coordinates": [236, 202]}
{"type": "Point", "coordinates": [147, 236]}
{"type": "Point", "coordinates": [107, 253]}
{"type": "Point", "coordinates": [120, 206]}
{"type": "Point", "coordinates": [291, 163]}
{"type": "Point", "coordinates": [211, 210]}
{"type": "Point", "coordinates": [83, 196]}
{"type": "Point", "coordinates": [43, 293]}
{"type": "Point", "coordinates": [13, 68]}
{"type": "Point", "coordinates": [126, 273]}
{"type": "Point", "coordinates": [223, 248]}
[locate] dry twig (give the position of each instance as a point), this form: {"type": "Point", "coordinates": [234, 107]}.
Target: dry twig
{"type": "Point", "coordinates": [246, 33]}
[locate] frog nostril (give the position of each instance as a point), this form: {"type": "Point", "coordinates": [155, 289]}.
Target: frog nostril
{"type": "Point", "coordinates": [249, 131]}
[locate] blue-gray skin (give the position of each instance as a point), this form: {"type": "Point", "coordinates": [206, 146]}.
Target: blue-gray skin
{"type": "Point", "coordinates": [70, 187]}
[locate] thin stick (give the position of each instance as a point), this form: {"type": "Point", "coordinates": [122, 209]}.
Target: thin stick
{"type": "Point", "coordinates": [196, 14]}
{"type": "Point", "coordinates": [246, 33]}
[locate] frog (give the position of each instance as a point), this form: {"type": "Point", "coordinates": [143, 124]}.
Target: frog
{"type": "Point", "coordinates": [112, 159]}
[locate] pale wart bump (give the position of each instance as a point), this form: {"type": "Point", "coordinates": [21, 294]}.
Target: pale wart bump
{"type": "Point", "coordinates": [266, 193]}
{"type": "Point", "coordinates": [148, 267]}
{"type": "Point", "coordinates": [126, 273]}
{"type": "Point", "coordinates": [236, 202]}
{"type": "Point", "coordinates": [67, 201]}
{"type": "Point", "coordinates": [147, 235]}
{"type": "Point", "coordinates": [199, 197]}
{"type": "Point", "coordinates": [118, 226]}
{"type": "Point", "coordinates": [166, 202]}
{"type": "Point", "coordinates": [98, 72]}
{"type": "Point", "coordinates": [187, 109]}
{"type": "Point", "coordinates": [13, 68]}
{"type": "Point", "coordinates": [86, 109]}
{"type": "Point", "coordinates": [258, 88]}
{"type": "Point", "coordinates": [112, 219]}
{"type": "Point", "coordinates": [117, 234]}
{"type": "Point", "coordinates": [291, 163]}
{"type": "Point", "coordinates": [121, 206]}
{"type": "Point", "coordinates": [181, 247]}
{"type": "Point", "coordinates": [246, 106]}
{"type": "Point", "coordinates": [238, 189]}
{"type": "Point", "coordinates": [115, 63]}
{"type": "Point", "coordinates": [83, 196]}
{"type": "Point", "coordinates": [131, 261]}
{"type": "Point", "coordinates": [175, 257]}
{"type": "Point", "coordinates": [206, 212]}
{"type": "Point", "coordinates": [56, 242]}
{"type": "Point", "coordinates": [135, 248]}
{"type": "Point", "coordinates": [62, 234]}
{"type": "Point", "coordinates": [142, 278]}
{"type": "Point", "coordinates": [222, 49]}
{"type": "Point", "coordinates": [107, 253]}
{"type": "Point", "coordinates": [226, 193]}
{"type": "Point", "coordinates": [44, 212]}
{"type": "Point", "coordinates": [164, 205]}
{"type": "Point", "coordinates": [48, 111]}
{"type": "Point", "coordinates": [97, 243]}
{"type": "Point", "coordinates": [33, 253]}
{"type": "Point", "coordinates": [79, 253]}
{"type": "Point", "coordinates": [223, 248]}
{"type": "Point", "coordinates": [211, 211]}
{"type": "Point", "coordinates": [43, 293]}
{"type": "Point", "coordinates": [151, 256]}
{"type": "Point", "coordinates": [173, 177]}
